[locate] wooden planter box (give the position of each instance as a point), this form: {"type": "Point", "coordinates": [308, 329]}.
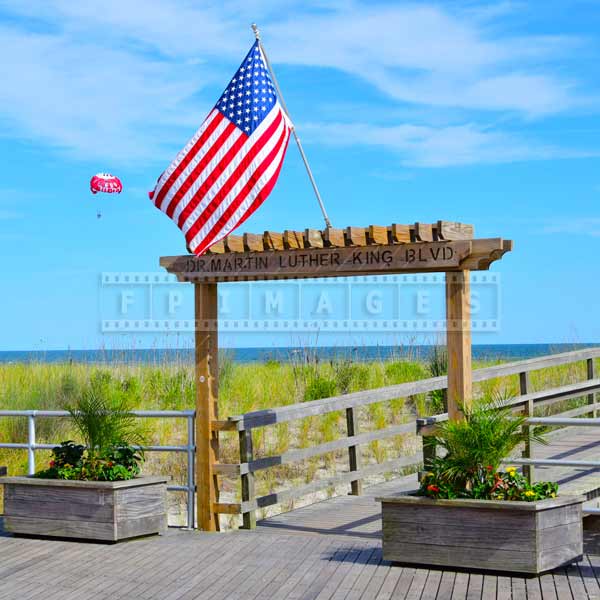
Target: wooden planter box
{"type": "Point", "coordinates": [102, 510]}
{"type": "Point", "coordinates": [521, 537]}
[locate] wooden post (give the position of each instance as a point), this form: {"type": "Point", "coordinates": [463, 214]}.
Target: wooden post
{"type": "Point", "coordinates": [591, 374]}
{"type": "Point", "coordinates": [246, 456]}
{"type": "Point", "coordinates": [207, 393]}
{"type": "Point", "coordinates": [353, 452]}
{"type": "Point", "coordinates": [525, 388]}
{"type": "Point", "coordinates": [458, 325]}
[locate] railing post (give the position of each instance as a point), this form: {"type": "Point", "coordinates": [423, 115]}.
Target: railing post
{"type": "Point", "coordinates": [591, 374]}
{"type": "Point", "coordinates": [191, 483]}
{"type": "Point", "coordinates": [248, 493]}
{"type": "Point", "coordinates": [525, 388]}
{"type": "Point", "coordinates": [31, 443]}
{"type": "Point", "coordinates": [353, 452]}
{"type": "Point", "coordinates": [458, 338]}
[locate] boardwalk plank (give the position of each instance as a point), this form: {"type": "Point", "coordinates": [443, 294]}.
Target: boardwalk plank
{"type": "Point", "coordinates": [404, 582]}
{"type": "Point", "coordinates": [504, 588]}
{"type": "Point", "coordinates": [589, 578]}
{"type": "Point", "coordinates": [561, 582]}
{"type": "Point", "coordinates": [475, 587]}
{"type": "Point", "coordinates": [349, 581]}
{"type": "Point", "coordinates": [417, 584]}
{"type": "Point", "coordinates": [446, 585]}
{"type": "Point", "coordinates": [534, 591]}
{"type": "Point", "coordinates": [389, 584]}
{"type": "Point", "coordinates": [547, 586]}
{"type": "Point", "coordinates": [430, 591]}
{"type": "Point", "coordinates": [366, 576]}
{"type": "Point", "coordinates": [490, 583]}
{"type": "Point", "coordinates": [519, 591]}
{"type": "Point", "coordinates": [576, 582]}
{"type": "Point", "coordinates": [461, 586]}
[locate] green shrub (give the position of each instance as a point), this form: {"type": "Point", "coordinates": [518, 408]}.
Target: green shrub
{"type": "Point", "coordinates": [109, 431]}
{"type": "Point", "coordinates": [473, 449]}
{"type": "Point", "coordinates": [319, 387]}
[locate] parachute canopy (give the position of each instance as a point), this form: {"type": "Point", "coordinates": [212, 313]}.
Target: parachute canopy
{"type": "Point", "coordinates": [107, 183]}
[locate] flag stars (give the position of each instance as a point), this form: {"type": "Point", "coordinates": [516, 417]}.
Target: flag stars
{"type": "Point", "coordinates": [250, 88]}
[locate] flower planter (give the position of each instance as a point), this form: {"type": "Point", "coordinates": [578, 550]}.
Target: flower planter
{"type": "Point", "coordinates": [520, 537]}
{"type": "Point", "coordinates": [91, 510]}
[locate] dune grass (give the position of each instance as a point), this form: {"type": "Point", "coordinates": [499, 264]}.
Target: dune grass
{"type": "Point", "coordinates": [243, 388]}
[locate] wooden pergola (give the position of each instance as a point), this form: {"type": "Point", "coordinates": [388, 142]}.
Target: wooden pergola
{"type": "Point", "coordinates": [446, 247]}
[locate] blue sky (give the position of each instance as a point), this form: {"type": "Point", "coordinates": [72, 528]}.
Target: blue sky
{"type": "Point", "coordinates": [482, 112]}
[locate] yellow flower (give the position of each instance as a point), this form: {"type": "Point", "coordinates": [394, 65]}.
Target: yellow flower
{"type": "Point", "coordinates": [552, 495]}
{"type": "Point", "coordinates": [529, 493]}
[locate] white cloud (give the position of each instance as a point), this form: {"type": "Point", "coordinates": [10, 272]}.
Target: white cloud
{"type": "Point", "coordinates": [425, 146]}
{"type": "Point", "coordinates": [422, 54]}
{"type": "Point", "coordinates": [92, 100]}
{"type": "Point", "coordinates": [126, 81]}
{"type": "Point", "coordinates": [574, 226]}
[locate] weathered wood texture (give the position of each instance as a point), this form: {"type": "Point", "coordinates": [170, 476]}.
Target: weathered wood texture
{"type": "Point", "coordinates": [330, 550]}
{"type": "Point", "coordinates": [207, 393]}
{"type": "Point", "coordinates": [354, 236]}
{"type": "Point", "coordinates": [458, 336]}
{"type": "Point", "coordinates": [107, 511]}
{"type": "Point", "coordinates": [425, 426]}
{"type": "Point", "coordinates": [517, 537]}
{"type": "Point", "coordinates": [301, 410]}
{"type": "Point", "coordinates": [319, 259]}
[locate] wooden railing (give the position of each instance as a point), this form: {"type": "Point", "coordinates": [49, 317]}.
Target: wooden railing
{"type": "Point", "coordinates": [248, 466]}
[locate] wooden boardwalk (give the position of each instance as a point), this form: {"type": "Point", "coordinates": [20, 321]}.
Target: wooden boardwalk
{"type": "Point", "coordinates": [326, 551]}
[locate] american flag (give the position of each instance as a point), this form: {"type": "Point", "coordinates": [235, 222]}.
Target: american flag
{"type": "Point", "coordinates": [227, 170]}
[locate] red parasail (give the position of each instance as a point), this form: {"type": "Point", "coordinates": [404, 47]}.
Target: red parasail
{"type": "Point", "coordinates": [107, 183]}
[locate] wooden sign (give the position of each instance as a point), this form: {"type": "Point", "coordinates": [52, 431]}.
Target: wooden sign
{"type": "Point", "coordinates": [320, 262]}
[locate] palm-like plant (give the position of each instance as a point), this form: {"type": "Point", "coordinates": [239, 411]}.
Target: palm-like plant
{"type": "Point", "coordinates": [104, 423]}
{"type": "Point", "coordinates": [489, 433]}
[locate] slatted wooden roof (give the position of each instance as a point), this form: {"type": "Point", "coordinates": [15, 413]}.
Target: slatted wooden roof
{"type": "Point", "coordinates": [443, 246]}
{"type": "Point", "coordinates": [340, 238]}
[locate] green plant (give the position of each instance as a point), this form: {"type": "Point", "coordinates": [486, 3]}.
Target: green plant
{"type": "Point", "coordinates": [109, 431]}
{"type": "Point", "coordinates": [104, 422]}
{"type": "Point", "coordinates": [489, 485]}
{"type": "Point", "coordinates": [319, 387]}
{"type": "Point", "coordinates": [488, 434]}
{"type": "Point", "coordinates": [472, 450]}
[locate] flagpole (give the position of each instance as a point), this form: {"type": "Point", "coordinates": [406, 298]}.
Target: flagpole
{"type": "Point", "coordinates": [282, 101]}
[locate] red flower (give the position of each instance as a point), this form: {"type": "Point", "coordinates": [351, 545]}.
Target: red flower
{"type": "Point", "coordinates": [433, 488]}
{"type": "Point", "coordinates": [489, 468]}
{"type": "Point", "coordinates": [51, 463]}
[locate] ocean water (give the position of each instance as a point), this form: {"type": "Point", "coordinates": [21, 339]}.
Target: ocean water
{"type": "Point", "coordinates": [248, 355]}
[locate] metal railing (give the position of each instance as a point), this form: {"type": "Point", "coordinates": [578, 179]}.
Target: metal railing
{"type": "Point", "coordinates": [189, 449]}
